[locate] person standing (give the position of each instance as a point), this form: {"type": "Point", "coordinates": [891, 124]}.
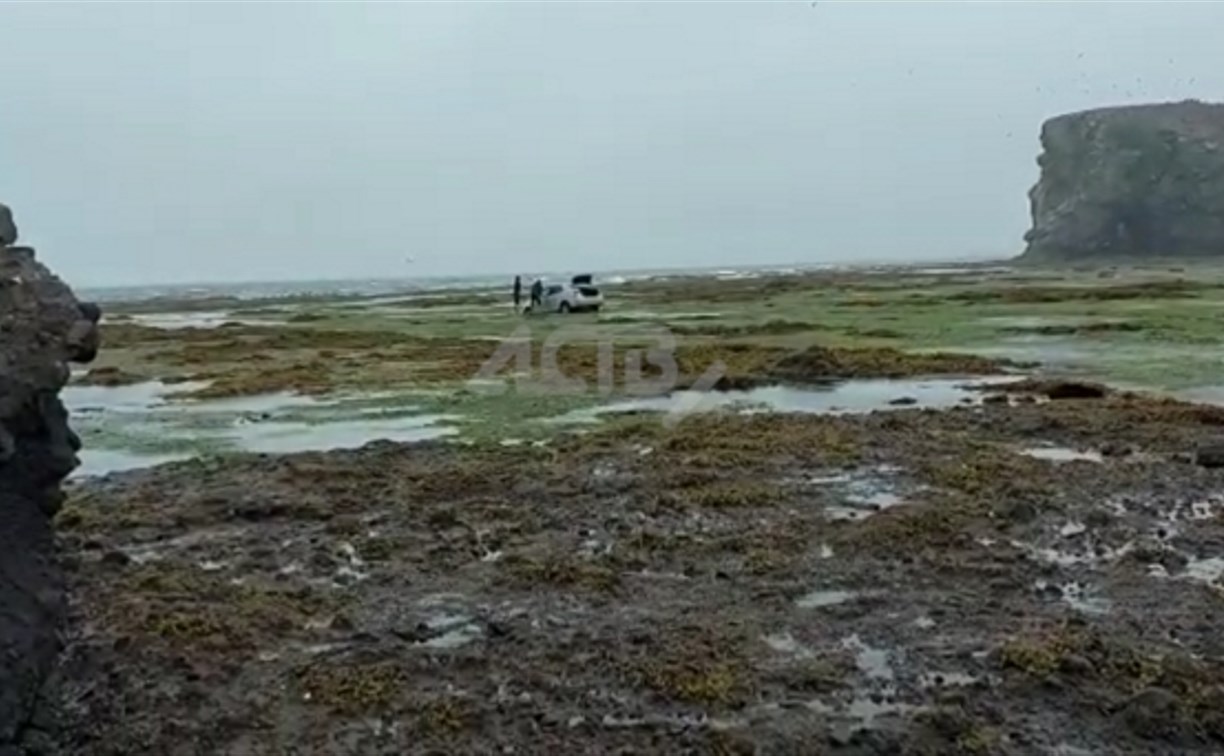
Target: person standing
{"type": "Point", "coordinates": [518, 293]}
{"type": "Point", "coordinates": [537, 293]}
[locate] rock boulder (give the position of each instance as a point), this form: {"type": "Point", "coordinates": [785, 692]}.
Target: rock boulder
{"type": "Point", "coordinates": [1130, 182]}
{"type": "Point", "coordinates": [8, 229]}
{"type": "Point", "coordinates": [42, 328]}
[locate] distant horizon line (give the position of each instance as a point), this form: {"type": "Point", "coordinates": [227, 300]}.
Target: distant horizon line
{"type": "Point", "coordinates": [509, 275]}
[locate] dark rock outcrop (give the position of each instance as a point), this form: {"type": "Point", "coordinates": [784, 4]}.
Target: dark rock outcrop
{"type": "Point", "coordinates": [1127, 182]}
{"type": "Point", "coordinates": [42, 328]}
{"type": "Point", "coordinates": [8, 229]}
{"type": "Point", "coordinates": [1210, 454]}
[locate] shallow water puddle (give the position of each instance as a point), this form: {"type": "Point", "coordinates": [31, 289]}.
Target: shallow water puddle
{"type": "Point", "coordinates": [868, 707]}
{"type": "Point", "coordinates": [872, 662]}
{"type": "Point", "coordinates": [1083, 600]}
{"type": "Point", "coordinates": [827, 480]}
{"type": "Point", "coordinates": [1076, 595]}
{"type": "Point", "coordinates": [947, 680]}
{"type": "Point", "coordinates": [1202, 395]}
{"type": "Point", "coordinates": [252, 405]}
{"type": "Point", "coordinates": [1203, 510]}
{"type": "Point", "coordinates": [1085, 553]}
{"type": "Point", "coordinates": [453, 631]}
{"type": "Point", "coordinates": [863, 712]}
{"type": "Point", "coordinates": [140, 420]}
{"type": "Point", "coordinates": [847, 397]}
{"type": "Point", "coordinates": [152, 399]}
{"type": "Point", "coordinates": [877, 500]}
{"type": "Point", "coordinates": [1168, 515]}
{"type": "Point", "coordinates": [283, 438]}
{"type": "Point", "coordinates": [821, 599]}
{"type": "Point", "coordinates": [353, 571]}
{"type": "Point", "coordinates": [867, 492]}
{"type": "Point", "coordinates": [1073, 529]}
{"type": "Point", "coordinates": [1208, 571]}
{"type": "Point", "coordinates": [785, 643]}
{"type": "Point", "coordinates": [1047, 350]}
{"type": "Point", "coordinates": [173, 321]}
{"type": "Point", "coordinates": [1200, 510]}
{"type": "Point", "coordinates": [99, 462]}
{"type": "Point", "coordinates": [846, 514]}
{"type": "Point", "coordinates": [138, 397]}
{"type": "Point", "coordinates": [1062, 454]}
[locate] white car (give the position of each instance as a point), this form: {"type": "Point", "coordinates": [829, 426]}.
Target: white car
{"type": "Point", "coordinates": [579, 295]}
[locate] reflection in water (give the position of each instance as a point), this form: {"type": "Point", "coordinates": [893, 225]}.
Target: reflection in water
{"type": "Point", "coordinates": [131, 427]}
{"type": "Point", "coordinates": [1205, 570]}
{"type": "Point", "coordinates": [284, 438]}
{"type": "Point", "coordinates": [846, 397]}
{"type": "Point", "coordinates": [822, 599]}
{"type": "Point", "coordinates": [872, 662]}
{"type": "Point", "coordinates": [262, 403]}
{"type": "Point", "coordinates": [1202, 395]}
{"type": "Point", "coordinates": [139, 397]}
{"type": "Point", "coordinates": [173, 321]}
{"type": "Point", "coordinates": [1062, 454]}
{"type": "Point", "coordinates": [95, 462]}
{"type": "Point", "coordinates": [451, 632]}
{"type": "Point", "coordinates": [867, 492]}
{"type": "Point", "coordinates": [870, 707]}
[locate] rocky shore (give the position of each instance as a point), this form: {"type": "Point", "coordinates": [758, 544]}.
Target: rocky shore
{"type": "Point", "coordinates": [1035, 573]}
{"type": "Point", "coordinates": [42, 328]}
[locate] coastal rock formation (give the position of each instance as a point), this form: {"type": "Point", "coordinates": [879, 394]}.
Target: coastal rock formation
{"type": "Point", "coordinates": [8, 229]}
{"type": "Point", "coordinates": [42, 328]}
{"type": "Point", "coordinates": [1137, 181]}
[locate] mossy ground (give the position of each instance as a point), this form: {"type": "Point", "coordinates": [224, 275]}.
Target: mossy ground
{"type": "Point", "coordinates": [639, 586]}
{"type": "Point", "coordinates": [411, 355]}
{"type": "Point", "coordinates": [345, 344]}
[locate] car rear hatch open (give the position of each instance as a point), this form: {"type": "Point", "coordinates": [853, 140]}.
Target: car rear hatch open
{"type": "Point", "coordinates": [583, 284]}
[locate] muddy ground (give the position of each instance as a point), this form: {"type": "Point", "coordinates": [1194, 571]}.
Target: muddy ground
{"type": "Point", "coordinates": [1016, 576]}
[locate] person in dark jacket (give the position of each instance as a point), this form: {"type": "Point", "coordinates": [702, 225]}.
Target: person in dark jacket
{"type": "Point", "coordinates": [537, 293]}
{"type": "Point", "coordinates": [518, 292]}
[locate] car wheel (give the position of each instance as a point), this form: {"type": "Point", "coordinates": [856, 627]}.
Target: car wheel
{"type": "Point", "coordinates": [564, 308]}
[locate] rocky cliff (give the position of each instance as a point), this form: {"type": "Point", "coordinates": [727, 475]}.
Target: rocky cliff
{"type": "Point", "coordinates": [1140, 181]}
{"type": "Point", "coordinates": [42, 328]}
{"type": "Point", "coordinates": [8, 229]}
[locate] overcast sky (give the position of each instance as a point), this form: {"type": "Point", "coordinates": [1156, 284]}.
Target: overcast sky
{"type": "Point", "coordinates": [156, 143]}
